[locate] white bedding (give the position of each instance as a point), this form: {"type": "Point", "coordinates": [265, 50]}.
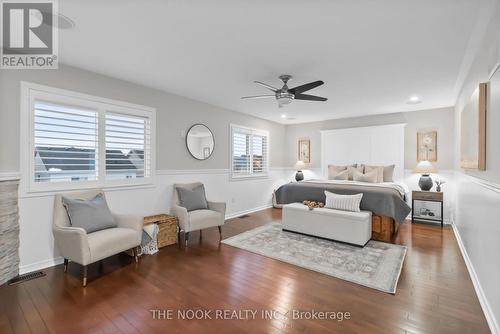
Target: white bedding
{"type": "Point", "coordinates": [399, 186]}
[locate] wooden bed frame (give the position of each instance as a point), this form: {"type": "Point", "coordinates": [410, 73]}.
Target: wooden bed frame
{"type": "Point", "coordinates": [383, 228]}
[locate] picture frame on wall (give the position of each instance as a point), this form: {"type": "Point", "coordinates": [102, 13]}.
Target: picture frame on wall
{"type": "Point", "coordinates": [427, 146]}
{"type": "Point", "coordinates": [473, 130]}
{"type": "Point", "coordinates": [304, 150]}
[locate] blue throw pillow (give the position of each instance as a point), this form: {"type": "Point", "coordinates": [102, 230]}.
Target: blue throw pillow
{"type": "Point", "coordinates": [92, 214]}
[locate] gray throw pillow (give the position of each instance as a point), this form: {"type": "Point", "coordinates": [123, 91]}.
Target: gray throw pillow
{"type": "Point", "coordinates": [194, 199]}
{"type": "Point", "coordinates": [90, 214]}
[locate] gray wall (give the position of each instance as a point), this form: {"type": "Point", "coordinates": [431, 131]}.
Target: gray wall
{"type": "Point", "coordinates": [174, 115]}
{"type": "Point", "coordinates": [441, 120]}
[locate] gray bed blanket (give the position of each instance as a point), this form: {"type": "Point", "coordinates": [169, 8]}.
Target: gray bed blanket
{"type": "Point", "coordinates": [382, 201]}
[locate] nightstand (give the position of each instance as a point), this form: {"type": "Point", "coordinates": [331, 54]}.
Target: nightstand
{"type": "Point", "coordinates": [427, 206]}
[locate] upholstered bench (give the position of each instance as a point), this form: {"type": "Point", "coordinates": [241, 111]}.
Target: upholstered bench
{"type": "Point", "coordinates": [350, 227]}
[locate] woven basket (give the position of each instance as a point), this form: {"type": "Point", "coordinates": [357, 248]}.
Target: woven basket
{"type": "Point", "coordinates": [167, 228]}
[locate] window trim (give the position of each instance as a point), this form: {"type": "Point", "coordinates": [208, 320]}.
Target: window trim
{"type": "Point", "coordinates": [253, 131]}
{"type": "Point", "coordinates": [31, 91]}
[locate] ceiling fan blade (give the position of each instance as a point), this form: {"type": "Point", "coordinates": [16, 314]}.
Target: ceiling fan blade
{"type": "Point", "coordinates": [309, 97]}
{"type": "Point", "coordinates": [306, 87]}
{"type": "Point", "coordinates": [271, 88]}
{"type": "Point", "coordinates": [258, 97]}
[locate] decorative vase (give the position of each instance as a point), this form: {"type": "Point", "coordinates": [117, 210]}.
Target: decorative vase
{"type": "Point", "coordinates": [438, 188]}
{"type": "Point", "coordinates": [299, 176]}
{"type": "Point", "coordinates": [425, 182]}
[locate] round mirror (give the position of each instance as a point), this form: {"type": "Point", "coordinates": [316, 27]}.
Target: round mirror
{"type": "Point", "coordinates": [200, 141]}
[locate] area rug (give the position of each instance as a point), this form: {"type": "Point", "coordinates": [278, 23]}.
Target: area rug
{"type": "Point", "coordinates": [377, 265]}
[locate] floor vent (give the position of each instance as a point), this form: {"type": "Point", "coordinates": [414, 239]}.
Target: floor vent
{"type": "Point", "coordinates": [26, 277]}
{"type": "Point", "coordinates": [244, 216]}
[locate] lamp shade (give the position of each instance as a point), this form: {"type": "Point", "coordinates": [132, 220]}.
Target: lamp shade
{"type": "Point", "coordinates": [425, 167]}
{"type": "Point", "coordinates": [299, 165]}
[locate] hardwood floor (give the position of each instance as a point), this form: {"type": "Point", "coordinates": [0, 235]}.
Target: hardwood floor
{"type": "Point", "coordinates": [434, 294]}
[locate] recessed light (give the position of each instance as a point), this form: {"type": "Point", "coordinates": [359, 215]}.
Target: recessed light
{"type": "Point", "coordinates": [283, 116]}
{"type": "Point", "coordinates": [414, 100]}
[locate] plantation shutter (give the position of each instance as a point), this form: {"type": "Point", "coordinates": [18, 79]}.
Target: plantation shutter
{"type": "Point", "coordinates": [241, 151]}
{"type": "Point", "coordinates": [128, 146]}
{"type": "Point", "coordinates": [65, 143]}
{"type": "Point", "coordinates": [259, 153]}
{"type": "Point", "coordinates": [249, 152]}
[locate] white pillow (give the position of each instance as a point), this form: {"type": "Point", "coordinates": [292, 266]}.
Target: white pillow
{"type": "Point", "coordinates": [388, 172]}
{"type": "Point", "coordinates": [343, 175]}
{"type": "Point", "coordinates": [333, 170]}
{"type": "Point", "coordinates": [380, 172]}
{"type": "Point", "coordinates": [370, 177]}
{"type": "Point", "coordinates": [354, 169]}
{"type": "Point", "coordinates": [343, 202]}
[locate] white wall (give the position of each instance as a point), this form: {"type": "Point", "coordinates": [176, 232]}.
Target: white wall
{"type": "Point", "coordinates": [478, 192]}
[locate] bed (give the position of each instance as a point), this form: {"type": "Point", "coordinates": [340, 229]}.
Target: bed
{"type": "Point", "coordinates": [380, 145]}
{"type": "Point", "coordinates": [387, 200]}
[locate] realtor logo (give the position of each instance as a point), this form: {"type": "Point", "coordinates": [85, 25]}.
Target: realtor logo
{"type": "Point", "coordinates": [29, 35]}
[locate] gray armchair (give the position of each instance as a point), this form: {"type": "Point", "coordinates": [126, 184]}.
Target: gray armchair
{"type": "Point", "coordinates": [198, 220]}
{"type": "Point", "coordinates": [84, 248]}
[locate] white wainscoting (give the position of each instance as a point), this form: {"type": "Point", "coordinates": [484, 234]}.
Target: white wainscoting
{"type": "Point", "coordinates": [477, 228]}
{"type": "Point", "coordinates": [37, 249]}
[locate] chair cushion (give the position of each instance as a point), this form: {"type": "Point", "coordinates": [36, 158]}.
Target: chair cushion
{"type": "Point", "coordinates": [111, 241]}
{"type": "Point", "coordinates": [90, 214]}
{"type": "Point", "coordinates": [192, 199]}
{"type": "Point", "coordinates": [200, 219]}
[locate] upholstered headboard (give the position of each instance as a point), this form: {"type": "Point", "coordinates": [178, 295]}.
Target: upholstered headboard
{"type": "Point", "coordinates": [371, 145]}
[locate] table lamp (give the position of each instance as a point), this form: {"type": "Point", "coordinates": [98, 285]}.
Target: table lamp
{"type": "Point", "coordinates": [299, 166]}
{"type": "Point", "coordinates": [425, 168]}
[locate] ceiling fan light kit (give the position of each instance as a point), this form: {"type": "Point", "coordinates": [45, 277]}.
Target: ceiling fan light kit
{"type": "Point", "coordinates": [285, 95]}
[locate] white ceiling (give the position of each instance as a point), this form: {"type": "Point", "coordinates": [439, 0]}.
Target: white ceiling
{"type": "Point", "coordinates": [372, 55]}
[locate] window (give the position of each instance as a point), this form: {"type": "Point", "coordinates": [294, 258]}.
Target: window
{"type": "Point", "coordinates": [65, 143]}
{"type": "Point", "coordinates": [131, 135]}
{"type": "Point", "coordinates": [79, 141]}
{"type": "Point", "coordinates": [249, 152]}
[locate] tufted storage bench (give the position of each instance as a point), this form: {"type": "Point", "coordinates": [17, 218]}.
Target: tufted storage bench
{"type": "Point", "coordinates": [350, 227]}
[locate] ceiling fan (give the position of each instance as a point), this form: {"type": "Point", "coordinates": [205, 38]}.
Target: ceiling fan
{"type": "Point", "coordinates": [285, 95]}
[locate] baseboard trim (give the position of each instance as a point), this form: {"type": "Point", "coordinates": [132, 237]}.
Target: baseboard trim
{"type": "Point", "coordinates": [40, 265]}
{"type": "Point", "coordinates": [488, 313]}
{"type": "Point", "coordinates": [246, 212]}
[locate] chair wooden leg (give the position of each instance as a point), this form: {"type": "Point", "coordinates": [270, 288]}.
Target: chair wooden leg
{"type": "Point", "coordinates": [186, 237]}
{"type": "Point", "coordinates": [84, 276]}
{"type": "Point", "coordinates": [66, 265]}
{"type": "Point", "coordinates": [220, 232]}
{"type": "Point", "coordinates": [200, 236]}
{"type": "Point", "coordinates": [134, 252]}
